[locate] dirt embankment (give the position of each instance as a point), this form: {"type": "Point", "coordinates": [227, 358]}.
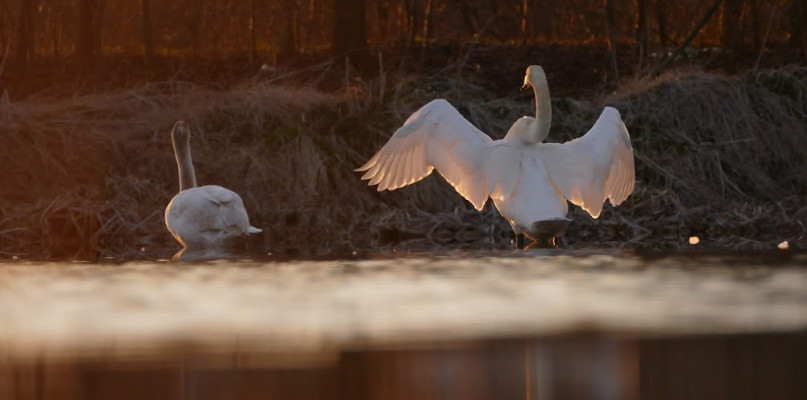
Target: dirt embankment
{"type": "Point", "coordinates": [718, 157]}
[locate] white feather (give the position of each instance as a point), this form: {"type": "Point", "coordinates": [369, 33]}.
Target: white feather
{"type": "Point", "coordinates": [595, 167]}
{"type": "Point", "coordinates": [434, 137]}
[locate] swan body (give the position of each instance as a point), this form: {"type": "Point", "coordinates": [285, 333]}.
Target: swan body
{"type": "Point", "coordinates": [528, 181]}
{"type": "Point", "coordinates": [207, 216]}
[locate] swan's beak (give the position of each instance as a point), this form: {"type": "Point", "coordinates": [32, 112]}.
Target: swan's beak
{"type": "Point", "coordinates": [526, 84]}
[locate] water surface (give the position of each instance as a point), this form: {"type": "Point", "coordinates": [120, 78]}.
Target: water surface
{"type": "Point", "coordinates": [455, 324]}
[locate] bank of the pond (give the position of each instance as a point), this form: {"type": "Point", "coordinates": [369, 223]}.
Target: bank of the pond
{"type": "Point", "coordinates": [717, 157]}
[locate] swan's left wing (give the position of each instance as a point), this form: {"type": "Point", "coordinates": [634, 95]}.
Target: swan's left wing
{"type": "Point", "coordinates": [231, 215]}
{"type": "Point", "coordinates": [595, 167]}
{"type": "Point", "coordinates": [437, 137]}
{"type": "Point", "coordinates": [218, 195]}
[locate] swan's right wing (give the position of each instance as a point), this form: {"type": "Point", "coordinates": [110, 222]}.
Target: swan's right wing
{"type": "Point", "coordinates": [217, 194]}
{"type": "Point", "coordinates": [595, 167]}
{"type": "Point", "coordinates": [435, 137]}
{"type": "Point", "coordinates": [229, 215]}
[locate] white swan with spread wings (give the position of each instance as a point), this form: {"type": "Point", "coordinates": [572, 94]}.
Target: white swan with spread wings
{"type": "Point", "coordinates": [528, 181]}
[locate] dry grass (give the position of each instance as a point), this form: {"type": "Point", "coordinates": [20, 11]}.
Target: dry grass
{"type": "Point", "coordinates": [721, 158]}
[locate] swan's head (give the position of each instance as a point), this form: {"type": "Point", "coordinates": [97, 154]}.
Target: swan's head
{"type": "Point", "coordinates": [181, 131]}
{"type": "Point", "coordinates": [535, 75]}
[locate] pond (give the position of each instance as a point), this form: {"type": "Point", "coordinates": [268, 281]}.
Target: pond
{"type": "Point", "coordinates": [470, 324]}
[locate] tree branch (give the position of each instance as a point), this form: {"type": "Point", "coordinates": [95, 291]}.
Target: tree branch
{"type": "Point", "coordinates": [689, 39]}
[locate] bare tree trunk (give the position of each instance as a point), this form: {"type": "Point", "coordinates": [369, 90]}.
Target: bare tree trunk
{"type": "Point", "coordinates": [767, 32]}
{"type": "Point", "coordinates": [382, 9]}
{"type": "Point", "coordinates": [661, 21]}
{"type": "Point", "coordinates": [469, 17]}
{"type": "Point", "coordinates": [199, 12]}
{"type": "Point", "coordinates": [641, 31]}
{"type": "Point", "coordinates": [413, 13]}
{"type": "Point", "coordinates": [350, 31]}
{"type": "Point", "coordinates": [231, 42]}
{"type": "Point", "coordinates": [288, 41]}
{"type": "Point", "coordinates": [688, 40]}
{"type": "Point", "coordinates": [5, 44]}
{"type": "Point", "coordinates": [427, 13]}
{"type": "Point", "coordinates": [756, 26]}
{"type": "Point", "coordinates": [26, 44]}
{"type": "Point", "coordinates": [253, 41]}
{"type": "Point", "coordinates": [610, 16]}
{"type": "Point", "coordinates": [731, 24]}
{"type": "Point", "coordinates": [57, 24]}
{"type": "Point", "coordinates": [798, 37]}
{"type": "Point", "coordinates": [148, 44]}
{"type": "Point", "coordinates": [525, 10]}
{"type": "Point", "coordinates": [88, 47]}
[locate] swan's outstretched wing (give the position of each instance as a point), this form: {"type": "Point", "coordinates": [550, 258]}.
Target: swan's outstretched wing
{"type": "Point", "coordinates": [595, 167]}
{"type": "Point", "coordinates": [435, 137]}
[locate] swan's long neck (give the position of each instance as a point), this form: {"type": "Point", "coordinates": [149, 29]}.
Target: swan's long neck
{"type": "Point", "coordinates": [182, 152]}
{"type": "Point", "coordinates": [539, 129]}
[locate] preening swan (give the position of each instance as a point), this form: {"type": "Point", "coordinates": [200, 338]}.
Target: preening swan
{"type": "Point", "coordinates": [529, 181]}
{"type": "Point", "coordinates": [207, 216]}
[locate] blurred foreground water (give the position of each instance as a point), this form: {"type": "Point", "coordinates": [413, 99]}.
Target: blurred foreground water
{"type": "Point", "coordinates": [454, 325]}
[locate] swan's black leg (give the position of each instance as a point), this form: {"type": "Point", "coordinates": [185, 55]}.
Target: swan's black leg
{"type": "Point", "coordinates": [519, 241]}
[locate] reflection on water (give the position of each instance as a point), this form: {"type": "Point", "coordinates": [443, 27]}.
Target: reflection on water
{"type": "Point", "coordinates": [763, 366]}
{"type": "Point", "coordinates": [544, 324]}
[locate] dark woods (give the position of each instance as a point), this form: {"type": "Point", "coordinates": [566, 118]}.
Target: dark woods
{"type": "Point", "coordinates": [44, 40]}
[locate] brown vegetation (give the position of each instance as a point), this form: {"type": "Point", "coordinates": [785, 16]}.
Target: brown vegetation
{"type": "Point", "coordinates": [717, 157]}
{"type": "Point", "coordinates": [101, 43]}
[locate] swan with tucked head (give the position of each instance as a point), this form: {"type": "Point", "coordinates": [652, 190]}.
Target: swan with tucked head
{"type": "Point", "coordinates": [528, 181]}
{"type": "Point", "coordinates": [207, 216]}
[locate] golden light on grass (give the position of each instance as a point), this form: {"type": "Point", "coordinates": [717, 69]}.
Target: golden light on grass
{"type": "Point", "coordinates": [694, 240]}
